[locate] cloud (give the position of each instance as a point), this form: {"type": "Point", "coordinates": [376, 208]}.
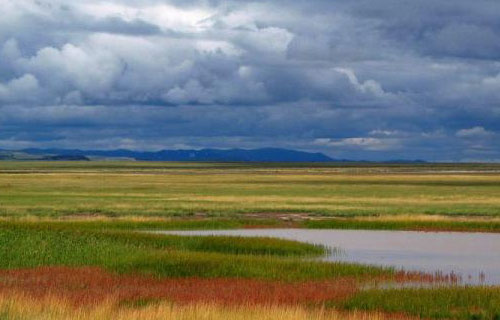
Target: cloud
{"type": "Point", "coordinates": [369, 86]}
{"type": "Point", "coordinates": [366, 143]}
{"type": "Point", "coordinates": [24, 88]}
{"type": "Point", "coordinates": [475, 132]}
{"type": "Point", "coordinates": [385, 79]}
{"type": "Point", "coordinates": [85, 69]}
{"type": "Point", "coordinates": [465, 40]}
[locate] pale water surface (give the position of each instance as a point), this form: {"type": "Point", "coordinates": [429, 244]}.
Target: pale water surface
{"type": "Point", "coordinates": [473, 256]}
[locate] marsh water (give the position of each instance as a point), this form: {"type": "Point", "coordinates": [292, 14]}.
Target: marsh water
{"type": "Point", "coordinates": [474, 257]}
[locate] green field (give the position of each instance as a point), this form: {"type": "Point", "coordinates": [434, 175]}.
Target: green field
{"type": "Point", "coordinates": [54, 189]}
{"type": "Point", "coordinates": [60, 218]}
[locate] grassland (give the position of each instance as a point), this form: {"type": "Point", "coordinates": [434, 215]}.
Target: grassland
{"type": "Point", "coordinates": [73, 246]}
{"type": "Point", "coordinates": [415, 197]}
{"type": "Point", "coordinates": [145, 189]}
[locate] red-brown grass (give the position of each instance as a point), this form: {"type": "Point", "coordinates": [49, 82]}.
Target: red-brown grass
{"type": "Point", "coordinates": [90, 285]}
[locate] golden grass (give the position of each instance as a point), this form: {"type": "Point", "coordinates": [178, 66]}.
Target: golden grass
{"type": "Point", "coordinates": [260, 220]}
{"type": "Point", "coordinates": [422, 217]}
{"type": "Point", "coordinates": [184, 192]}
{"type": "Point", "coordinates": [254, 218]}
{"type": "Point", "coordinates": [19, 306]}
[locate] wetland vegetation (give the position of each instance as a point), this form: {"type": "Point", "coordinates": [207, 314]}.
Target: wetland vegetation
{"type": "Point", "coordinates": [72, 240]}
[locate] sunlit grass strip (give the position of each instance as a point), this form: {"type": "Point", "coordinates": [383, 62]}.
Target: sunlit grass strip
{"type": "Point", "coordinates": [406, 224]}
{"type": "Point", "coordinates": [100, 223]}
{"type": "Point", "coordinates": [20, 307]}
{"type": "Point", "coordinates": [396, 222]}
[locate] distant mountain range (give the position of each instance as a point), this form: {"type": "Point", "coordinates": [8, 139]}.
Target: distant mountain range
{"type": "Point", "coordinates": [216, 155]}
{"type": "Point", "coordinates": [209, 155]}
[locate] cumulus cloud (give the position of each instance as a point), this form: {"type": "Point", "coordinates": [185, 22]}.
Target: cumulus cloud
{"type": "Point", "coordinates": [385, 79]}
{"type": "Point", "coordinates": [87, 70]}
{"type": "Point", "coordinates": [24, 88]}
{"type": "Point", "coordinates": [369, 86]}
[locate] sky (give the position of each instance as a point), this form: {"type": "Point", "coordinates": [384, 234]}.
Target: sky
{"type": "Point", "coordinates": [362, 80]}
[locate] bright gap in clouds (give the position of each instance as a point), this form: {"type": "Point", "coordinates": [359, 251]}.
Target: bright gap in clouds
{"type": "Point", "coordinates": [165, 16]}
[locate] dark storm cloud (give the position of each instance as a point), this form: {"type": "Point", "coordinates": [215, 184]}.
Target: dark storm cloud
{"type": "Point", "coordinates": [378, 79]}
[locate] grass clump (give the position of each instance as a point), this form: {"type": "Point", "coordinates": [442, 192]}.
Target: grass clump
{"type": "Point", "coordinates": [222, 244]}
{"type": "Point", "coordinates": [214, 265]}
{"type": "Point", "coordinates": [439, 303]}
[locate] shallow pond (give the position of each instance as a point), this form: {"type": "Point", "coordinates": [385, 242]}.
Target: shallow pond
{"type": "Point", "coordinates": [475, 257]}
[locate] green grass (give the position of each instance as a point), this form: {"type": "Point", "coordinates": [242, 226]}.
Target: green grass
{"type": "Point", "coordinates": [241, 223]}
{"type": "Point", "coordinates": [138, 225]}
{"type": "Point", "coordinates": [31, 245]}
{"type": "Point", "coordinates": [440, 303]}
{"type": "Point", "coordinates": [58, 189]}
{"type": "Point", "coordinates": [437, 225]}
{"type": "Point", "coordinates": [180, 264]}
